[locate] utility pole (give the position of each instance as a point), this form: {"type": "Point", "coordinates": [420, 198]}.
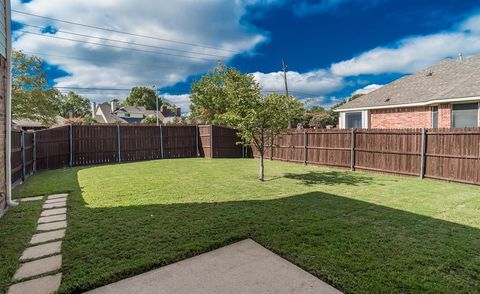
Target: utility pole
{"type": "Point", "coordinates": [156, 101]}
{"type": "Point", "coordinates": [284, 68]}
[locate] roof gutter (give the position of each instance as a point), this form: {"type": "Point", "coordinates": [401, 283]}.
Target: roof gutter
{"type": "Point", "coordinates": [426, 103]}
{"type": "Point", "coordinates": [8, 135]}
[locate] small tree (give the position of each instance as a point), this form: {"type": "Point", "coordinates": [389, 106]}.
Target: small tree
{"type": "Point", "coordinates": [259, 118]}
{"type": "Point", "coordinates": [151, 119]}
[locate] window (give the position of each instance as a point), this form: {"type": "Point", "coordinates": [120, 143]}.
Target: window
{"type": "Point", "coordinates": [465, 115]}
{"type": "Point", "coordinates": [435, 117]}
{"type": "Point", "coordinates": [353, 120]}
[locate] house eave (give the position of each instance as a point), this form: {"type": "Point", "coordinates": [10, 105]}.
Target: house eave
{"type": "Point", "coordinates": [426, 103]}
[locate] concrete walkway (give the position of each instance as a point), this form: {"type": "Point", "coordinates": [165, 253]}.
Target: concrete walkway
{"type": "Point", "coordinates": [42, 260]}
{"type": "Point", "coordinates": [243, 267]}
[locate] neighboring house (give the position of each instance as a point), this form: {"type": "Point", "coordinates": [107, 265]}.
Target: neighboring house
{"type": "Point", "coordinates": [115, 113]}
{"type": "Point", "coordinates": [444, 95]}
{"type": "Point", "coordinates": [31, 125]}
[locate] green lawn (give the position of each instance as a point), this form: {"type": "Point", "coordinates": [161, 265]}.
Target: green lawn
{"type": "Point", "coordinates": [361, 232]}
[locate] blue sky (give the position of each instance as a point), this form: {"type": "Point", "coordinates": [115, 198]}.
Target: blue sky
{"type": "Point", "coordinates": [332, 47]}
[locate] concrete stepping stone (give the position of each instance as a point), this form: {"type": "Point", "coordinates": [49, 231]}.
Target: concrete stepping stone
{"type": "Point", "coordinates": [55, 196]}
{"type": "Point", "coordinates": [41, 250]}
{"type": "Point", "coordinates": [30, 199]}
{"type": "Point", "coordinates": [44, 285]}
{"type": "Point", "coordinates": [55, 211]}
{"type": "Point", "coordinates": [56, 200]}
{"type": "Point", "coordinates": [53, 218]}
{"type": "Point", "coordinates": [55, 205]}
{"type": "Point", "coordinates": [38, 267]}
{"type": "Point", "coordinates": [48, 236]}
{"type": "Point", "coordinates": [52, 226]}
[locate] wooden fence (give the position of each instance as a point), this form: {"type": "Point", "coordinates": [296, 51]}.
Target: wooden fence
{"type": "Point", "coordinates": [97, 144]}
{"type": "Point", "coordinates": [446, 154]}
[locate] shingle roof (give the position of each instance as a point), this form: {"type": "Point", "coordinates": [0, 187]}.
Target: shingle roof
{"type": "Point", "coordinates": [447, 79]}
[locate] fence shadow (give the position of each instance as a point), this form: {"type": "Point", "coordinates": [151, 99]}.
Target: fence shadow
{"type": "Point", "coordinates": [329, 178]}
{"type": "Point", "coordinates": [357, 246]}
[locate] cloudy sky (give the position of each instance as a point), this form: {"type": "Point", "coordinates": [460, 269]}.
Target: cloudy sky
{"type": "Point", "coordinates": [333, 48]}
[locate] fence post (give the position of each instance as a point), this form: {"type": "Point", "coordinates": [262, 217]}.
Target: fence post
{"type": "Point", "coordinates": [34, 155]}
{"type": "Point", "coordinates": [423, 153]}
{"type": "Point", "coordinates": [161, 142]}
{"type": "Point", "coordinates": [70, 141]}
{"type": "Point", "coordinates": [271, 146]}
{"type": "Point", "coordinates": [305, 148]}
{"type": "Point", "coordinates": [352, 153]}
{"type": "Point", "coordinates": [197, 132]}
{"type": "Point", "coordinates": [118, 144]}
{"type": "Point", "coordinates": [22, 148]}
{"type": "Point", "coordinates": [211, 141]}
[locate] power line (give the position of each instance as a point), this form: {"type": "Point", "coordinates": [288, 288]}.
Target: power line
{"type": "Point", "coordinates": [126, 42]}
{"type": "Point", "coordinates": [86, 59]}
{"type": "Point", "coordinates": [112, 46]}
{"type": "Point", "coordinates": [122, 32]}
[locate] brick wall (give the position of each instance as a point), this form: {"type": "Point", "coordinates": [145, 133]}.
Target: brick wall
{"type": "Point", "coordinates": [444, 116]}
{"type": "Point", "coordinates": [399, 118]}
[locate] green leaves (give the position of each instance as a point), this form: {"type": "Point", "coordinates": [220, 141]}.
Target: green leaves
{"type": "Point", "coordinates": [143, 96]}
{"type": "Point", "coordinates": [31, 97]}
{"type": "Point", "coordinates": [74, 104]}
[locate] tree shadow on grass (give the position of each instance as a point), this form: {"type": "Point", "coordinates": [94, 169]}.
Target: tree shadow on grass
{"type": "Point", "coordinates": [356, 246]}
{"type": "Point", "coordinates": [330, 178]}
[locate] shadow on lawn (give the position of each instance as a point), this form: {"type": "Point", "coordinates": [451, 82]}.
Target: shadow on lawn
{"type": "Point", "coordinates": [329, 178]}
{"type": "Point", "coordinates": [354, 245]}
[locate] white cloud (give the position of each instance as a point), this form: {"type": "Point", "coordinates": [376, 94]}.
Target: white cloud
{"type": "Point", "coordinates": [214, 23]}
{"type": "Point", "coordinates": [414, 53]}
{"type": "Point", "coordinates": [367, 89]}
{"type": "Point", "coordinates": [316, 83]}
{"type": "Point", "coordinates": [182, 101]}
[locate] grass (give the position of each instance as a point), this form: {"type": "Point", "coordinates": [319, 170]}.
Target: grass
{"type": "Point", "coordinates": [361, 232]}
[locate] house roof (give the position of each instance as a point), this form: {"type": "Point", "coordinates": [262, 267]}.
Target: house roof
{"type": "Point", "coordinates": [104, 115]}
{"type": "Point", "coordinates": [446, 80]}
{"type": "Point", "coordinates": [26, 123]}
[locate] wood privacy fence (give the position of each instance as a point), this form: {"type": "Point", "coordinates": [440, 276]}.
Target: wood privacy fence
{"type": "Point", "coordinates": [446, 154]}
{"type": "Point", "coordinates": [85, 145]}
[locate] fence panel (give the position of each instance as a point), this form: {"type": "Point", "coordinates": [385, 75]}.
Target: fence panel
{"type": "Point", "coordinates": [204, 141]}
{"type": "Point", "coordinates": [453, 154]}
{"type": "Point", "coordinates": [52, 148]}
{"type": "Point", "coordinates": [16, 157]}
{"type": "Point", "coordinates": [391, 151]}
{"type": "Point", "coordinates": [288, 147]}
{"type": "Point", "coordinates": [140, 142]}
{"type": "Point", "coordinates": [179, 141]}
{"type": "Point", "coordinates": [28, 147]}
{"type": "Point", "coordinates": [225, 142]}
{"type": "Point", "coordinates": [329, 147]}
{"type": "Point", "coordinates": [94, 144]}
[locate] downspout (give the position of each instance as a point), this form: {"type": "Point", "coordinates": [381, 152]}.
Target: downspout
{"type": "Point", "coordinates": [8, 136]}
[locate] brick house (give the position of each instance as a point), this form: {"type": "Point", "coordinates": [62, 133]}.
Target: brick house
{"type": "Point", "coordinates": [445, 95]}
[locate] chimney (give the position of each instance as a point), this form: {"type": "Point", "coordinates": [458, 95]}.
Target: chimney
{"type": "Point", "coordinates": [94, 109]}
{"type": "Point", "coordinates": [178, 112]}
{"type": "Point", "coordinates": [460, 56]}
{"type": "Point", "coordinates": [113, 105]}
{"type": "Point", "coordinates": [164, 110]}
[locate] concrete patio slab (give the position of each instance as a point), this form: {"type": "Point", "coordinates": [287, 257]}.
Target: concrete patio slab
{"type": "Point", "coordinates": [55, 205]}
{"type": "Point", "coordinates": [44, 285]}
{"type": "Point", "coordinates": [55, 196]}
{"type": "Point", "coordinates": [30, 199]}
{"type": "Point", "coordinates": [52, 226]}
{"type": "Point", "coordinates": [53, 218]}
{"type": "Point", "coordinates": [41, 250]}
{"type": "Point", "coordinates": [48, 236]}
{"type": "Point", "coordinates": [56, 200]}
{"type": "Point", "coordinates": [243, 267]}
{"type": "Point", "coordinates": [38, 267]}
{"type": "Point", "coordinates": [55, 211]}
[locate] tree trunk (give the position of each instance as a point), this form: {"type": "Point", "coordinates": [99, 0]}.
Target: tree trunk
{"type": "Point", "coordinates": [261, 175]}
